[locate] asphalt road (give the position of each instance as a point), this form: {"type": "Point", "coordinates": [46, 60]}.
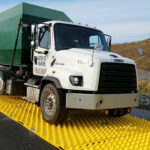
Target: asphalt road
{"type": "Point", "coordinates": [13, 136]}
{"type": "Point", "coordinates": [141, 113]}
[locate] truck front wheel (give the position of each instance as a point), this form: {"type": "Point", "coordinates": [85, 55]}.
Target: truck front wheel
{"type": "Point", "coordinates": [52, 104]}
{"type": "Point", "coordinates": [2, 83]}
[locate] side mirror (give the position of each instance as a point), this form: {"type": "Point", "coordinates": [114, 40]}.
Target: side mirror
{"type": "Point", "coordinates": [34, 36]}
{"type": "Point", "coordinates": [108, 37]}
{"type": "Point", "coordinates": [98, 46]}
{"type": "Point", "coordinates": [109, 43]}
{"type": "Point", "coordinates": [141, 51]}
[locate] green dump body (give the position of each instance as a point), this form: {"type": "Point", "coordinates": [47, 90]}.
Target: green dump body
{"type": "Point", "coordinates": [9, 21]}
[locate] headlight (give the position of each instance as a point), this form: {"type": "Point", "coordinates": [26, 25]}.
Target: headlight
{"type": "Point", "coordinates": [76, 80]}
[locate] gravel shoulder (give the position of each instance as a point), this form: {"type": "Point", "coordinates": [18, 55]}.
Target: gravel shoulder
{"type": "Point", "coordinates": [144, 102]}
{"type": "Point", "coordinates": [140, 113]}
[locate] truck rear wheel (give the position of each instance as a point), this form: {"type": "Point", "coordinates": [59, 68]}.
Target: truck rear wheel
{"type": "Point", "coordinates": [52, 104]}
{"type": "Point", "coordinates": [2, 83]}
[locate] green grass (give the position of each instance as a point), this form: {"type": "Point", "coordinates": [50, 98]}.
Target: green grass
{"type": "Point", "coordinates": [144, 87]}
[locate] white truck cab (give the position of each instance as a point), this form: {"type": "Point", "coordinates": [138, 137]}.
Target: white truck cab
{"type": "Point", "coordinates": [78, 71]}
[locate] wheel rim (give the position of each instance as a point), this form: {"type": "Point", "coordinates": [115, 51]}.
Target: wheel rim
{"type": "Point", "coordinates": [1, 83]}
{"type": "Point", "coordinates": [50, 104]}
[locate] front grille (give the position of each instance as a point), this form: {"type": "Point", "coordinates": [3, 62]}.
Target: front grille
{"type": "Point", "coordinates": [117, 78]}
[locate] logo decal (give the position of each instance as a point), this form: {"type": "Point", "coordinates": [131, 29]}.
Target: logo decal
{"type": "Point", "coordinates": [118, 60]}
{"type": "Point", "coordinates": [41, 60]}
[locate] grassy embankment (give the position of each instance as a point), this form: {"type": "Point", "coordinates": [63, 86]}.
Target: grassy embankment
{"type": "Point", "coordinates": [131, 50]}
{"type": "Point", "coordinates": [144, 87]}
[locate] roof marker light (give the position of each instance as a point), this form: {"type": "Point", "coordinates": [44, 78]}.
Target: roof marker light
{"type": "Point", "coordinates": [86, 25]}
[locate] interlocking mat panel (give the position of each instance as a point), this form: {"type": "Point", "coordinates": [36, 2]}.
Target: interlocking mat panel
{"type": "Point", "coordinates": [83, 130]}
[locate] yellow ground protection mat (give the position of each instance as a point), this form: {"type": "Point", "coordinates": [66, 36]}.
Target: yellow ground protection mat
{"type": "Point", "coordinates": [83, 130]}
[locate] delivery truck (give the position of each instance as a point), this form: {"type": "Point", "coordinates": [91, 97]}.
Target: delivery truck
{"type": "Point", "coordinates": [59, 65]}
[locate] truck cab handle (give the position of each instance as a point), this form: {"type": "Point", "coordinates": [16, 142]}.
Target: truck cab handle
{"type": "Point", "coordinates": [42, 52]}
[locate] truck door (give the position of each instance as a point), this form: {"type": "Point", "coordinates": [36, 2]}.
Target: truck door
{"type": "Point", "coordinates": [40, 58]}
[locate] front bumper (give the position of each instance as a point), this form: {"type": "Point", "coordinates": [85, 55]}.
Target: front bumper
{"type": "Point", "coordinates": [101, 101]}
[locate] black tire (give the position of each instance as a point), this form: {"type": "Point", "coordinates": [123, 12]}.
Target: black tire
{"type": "Point", "coordinates": [2, 83]}
{"type": "Point", "coordinates": [52, 103]}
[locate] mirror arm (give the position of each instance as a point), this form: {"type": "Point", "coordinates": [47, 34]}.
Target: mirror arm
{"type": "Point", "coordinates": [42, 52]}
{"type": "Point", "coordinates": [139, 58]}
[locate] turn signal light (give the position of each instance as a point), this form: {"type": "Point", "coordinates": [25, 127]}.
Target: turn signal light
{"type": "Point", "coordinates": [129, 110]}
{"type": "Point", "coordinates": [53, 71]}
{"type": "Point", "coordinates": [106, 112]}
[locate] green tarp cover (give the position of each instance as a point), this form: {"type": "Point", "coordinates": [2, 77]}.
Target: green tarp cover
{"type": "Point", "coordinates": [9, 21]}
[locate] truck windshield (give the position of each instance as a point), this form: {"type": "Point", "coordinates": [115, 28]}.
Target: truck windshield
{"type": "Point", "coordinates": [72, 36]}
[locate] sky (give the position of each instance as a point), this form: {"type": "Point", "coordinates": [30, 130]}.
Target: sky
{"type": "Point", "coordinates": [124, 20]}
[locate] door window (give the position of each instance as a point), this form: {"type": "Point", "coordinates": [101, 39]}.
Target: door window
{"type": "Point", "coordinates": [44, 38]}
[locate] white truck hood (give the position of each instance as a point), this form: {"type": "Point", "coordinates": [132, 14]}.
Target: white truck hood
{"type": "Point", "coordinates": [86, 54]}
